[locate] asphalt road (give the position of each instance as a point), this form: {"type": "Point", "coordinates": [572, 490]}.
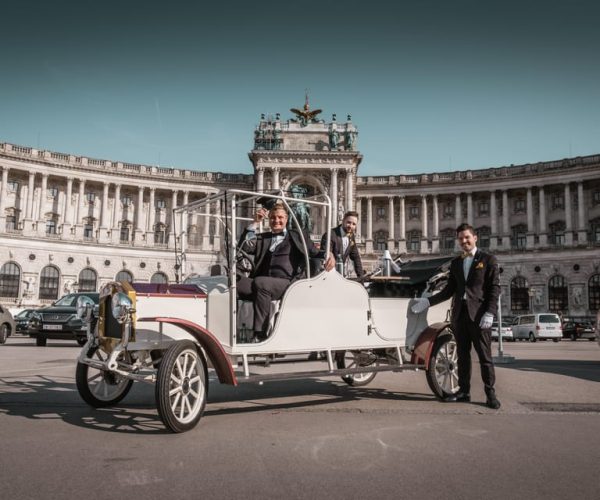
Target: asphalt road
{"type": "Point", "coordinates": [307, 439]}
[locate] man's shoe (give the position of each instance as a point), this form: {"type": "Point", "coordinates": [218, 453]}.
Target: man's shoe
{"type": "Point", "coordinates": [492, 402]}
{"type": "Point", "coordinates": [459, 397]}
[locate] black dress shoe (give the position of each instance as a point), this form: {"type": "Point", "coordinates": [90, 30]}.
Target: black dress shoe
{"type": "Point", "coordinates": [492, 402]}
{"type": "Point", "coordinates": [459, 397]}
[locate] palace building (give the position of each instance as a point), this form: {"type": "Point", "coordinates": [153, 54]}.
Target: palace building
{"type": "Point", "coordinates": [72, 223]}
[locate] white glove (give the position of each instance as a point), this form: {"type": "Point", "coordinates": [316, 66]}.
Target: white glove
{"type": "Point", "coordinates": [486, 321]}
{"type": "Point", "coordinates": [420, 305]}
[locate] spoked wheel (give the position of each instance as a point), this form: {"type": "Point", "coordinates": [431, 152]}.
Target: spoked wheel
{"type": "Point", "coordinates": [100, 388]}
{"type": "Point", "coordinates": [181, 387]}
{"type": "Point", "coordinates": [442, 372]}
{"type": "Point", "coordinates": [355, 359]}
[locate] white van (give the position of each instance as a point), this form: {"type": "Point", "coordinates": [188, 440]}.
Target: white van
{"type": "Point", "coordinates": [537, 326]}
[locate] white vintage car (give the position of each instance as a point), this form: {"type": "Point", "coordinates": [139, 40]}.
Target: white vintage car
{"type": "Point", "coordinates": [171, 335]}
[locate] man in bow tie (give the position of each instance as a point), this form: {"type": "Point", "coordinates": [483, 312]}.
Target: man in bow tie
{"type": "Point", "coordinates": [279, 259]}
{"type": "Point", "coordinates": [474, 287]}
{"type": "Point", "coordinates": [343, 244]}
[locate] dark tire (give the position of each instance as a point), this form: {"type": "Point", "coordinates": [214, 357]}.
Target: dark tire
{"type": "Point", "coordinates": [352, 359]}
{"type": "Point", "coordinates": [81, 341]}
{"type": "Point", "coordinates": [532, 337]}
{"type": "Point", "coordinates": [181, 386]}
{"type": "Point", "coordinates": [41, 341]}
{"type": "Point", "coordinates": [555, 340]}
{"type": "Point", "coordinates": [442, 370]}
{"type": "Point", "coordinates": [4, 332]}
{"type": "Point", "coordinates": [100, 388]}
{"type": "Point", "coordinates": [573, 337]}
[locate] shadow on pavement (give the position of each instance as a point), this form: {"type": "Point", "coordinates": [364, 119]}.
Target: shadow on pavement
{"type": "Point", "coordinates": [582, 369]}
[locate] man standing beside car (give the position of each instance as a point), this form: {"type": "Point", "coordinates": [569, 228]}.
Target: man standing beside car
{"type": "Point", "coordinates": [474, 287]}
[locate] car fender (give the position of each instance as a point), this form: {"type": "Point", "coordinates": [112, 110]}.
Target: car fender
{"type": "Point", "coordinates": [217, 355]}
{"type": "Point", "coordinates": [424, 345]}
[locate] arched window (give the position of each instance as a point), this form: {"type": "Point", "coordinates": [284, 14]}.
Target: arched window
{"type": "Point", "coordinates": [519, 295]}
{"type": "Point", "coordinates": [594, 292]}
{"type": "Point", "coordinates": [558, 294]}
{"type": "Point", "coordinates": [159, 278]}
{"type": "Point", "coordinates": [124, 276]}
{"type": "Point", "coordinates": [87, 280]}
{"type": "Point", "coordinates": [10, 278]}
{"type": "Point", "coordinates": [49, 281]}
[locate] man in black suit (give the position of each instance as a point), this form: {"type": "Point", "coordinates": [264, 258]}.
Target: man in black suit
{"type": "Point", "coordinates": [343, 244]}
{"type": "Point", "coordinates": [279, 259]}
{"type": "Point", "coordinates": [474, 287]}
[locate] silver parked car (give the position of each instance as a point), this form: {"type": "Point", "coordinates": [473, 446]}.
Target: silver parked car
{"type": "Point", "coordinates": [7, 324]}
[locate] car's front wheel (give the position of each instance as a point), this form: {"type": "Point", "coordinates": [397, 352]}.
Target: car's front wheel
{"type": "Point", "coordinates": [41, 341]}
{"type": "Point", "coordinates": [100, 388]}
{"type": "Point", "coordinates": [4, 332]}
{"type": "Point", "coordinates": [356, 359]}
{"type": "Point", "coordinates": [181, 386]}
{"type": "Point", "coordinates": [532, 337]}
{"type": "Point", "coordinates": [442, 370]}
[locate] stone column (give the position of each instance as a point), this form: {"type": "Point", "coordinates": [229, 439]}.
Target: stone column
{"type": "Point", "coordinates": [424, 233]}
{"type": "Point", "coordinates": [206, 228]}
{"type": "Point", "coordinates": [369, 246]}
{"type": "Point", "coordinates": [530, 227]}
{"type": "Point", "coordinates": [391, 240]}
{"type": "Point", "coordinates": [41, 204]}
{"type": "Point", "coordinates": [334, 196]}
{"type": "Point", "coordinates": [435, 237]}
{"type": "Point", "coordinates": [103, 230]}
{"type": "Point", "coordinates": [568, 216]}
{"type": "Point", "coordinates": [184, 222]}
{"type": "Point", "coordinates": [275, 177]}
{"type": "Point", "coordinates": [28, 221]}
{"type": "Point", "coordinates": [470, 209]}
{"type": "Point", "coordinates": [174, 231]}
{"type": "Point", "coordinates": [458, 220]}
{"type": "Point", "coordinates": [402, 235]}
{"type": "Point", "coordinates": [493, 221]}
{"type": "Point", "coordinates": [260, 178]}
{"type": "Point", "coordinates": [66, 216]}
{"type": "Point", "coordinates": [217, 235]}
{"type": "Point", "coordinates": [581, 231]}
{"type": "Point", "coordinates": [359, 212]}
{"type": "Point", "coordinates": [139, 217]}
{"type": "Point", "coordinates": [3, 194]}
{"type": "Point", "coordinates": [505, 226]}
{"type": "Point", "coordinates": [151, 218]}
{"type": "Point", "coordinates": [115, 233]}
{"type": "Point", "coordinates": [543, 230]}
{"type": "Point", "coordinates": [349, 189]}
{"type": "Point", "coordinates": [80, 210]}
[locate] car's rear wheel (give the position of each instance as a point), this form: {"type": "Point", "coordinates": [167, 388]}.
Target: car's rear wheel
{"type": "Point", "coordinates": [442, 370]}
{"type": "Point", "coordinates": [356, 359]}
{"type": "Point", "coordinates": [4, 332]}
{"type": "Point", "coordinates": [100, 388]}
{"type": "Point", "coordinates": [181, 386]}
{"type": "Point", "coordinates": [532, 337]}
{"type": "Point", "coordinates": [41, 341]}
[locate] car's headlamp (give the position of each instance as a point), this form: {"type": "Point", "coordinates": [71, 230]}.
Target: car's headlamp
{"type": "Point", "coordinates": [85, 308]}
{"type": "Point", "coordinates": [121, 307]}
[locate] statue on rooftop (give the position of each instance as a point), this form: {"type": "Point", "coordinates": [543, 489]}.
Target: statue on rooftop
{"type": "Point", "coordinates": [305, 116]}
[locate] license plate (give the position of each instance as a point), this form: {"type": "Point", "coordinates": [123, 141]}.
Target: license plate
{"type": "Point", "coordinates": [52, 327]}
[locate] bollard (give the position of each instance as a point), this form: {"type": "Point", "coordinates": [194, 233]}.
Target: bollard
{"type": "Point", "coordinates": [501, 358]}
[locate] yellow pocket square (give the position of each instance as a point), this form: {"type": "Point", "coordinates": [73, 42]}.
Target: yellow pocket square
{"type": "Point", "coordinates": [479, 265]}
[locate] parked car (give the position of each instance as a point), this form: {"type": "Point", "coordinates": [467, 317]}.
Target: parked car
{"type": "Point", "coordinates": [506, 329]}
{"type": "Point", "coordinates": [22, 320]}
{"type": "Point", "coordinates": [578, 329]}
{"type": "Point", "coordinates": [59, 321]}
{"type": "Point", "coordinates": [537, 326]}
{"type": "Point", "coordinates": [7, 324]}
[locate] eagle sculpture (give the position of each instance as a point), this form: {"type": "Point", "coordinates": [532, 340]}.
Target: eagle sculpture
{"type": "Point", "coordinates": [305, 115]}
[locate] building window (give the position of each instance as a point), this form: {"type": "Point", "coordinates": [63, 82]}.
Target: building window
{"type": "Point", "coordinates": [50, 227]}
{"type": "Point", "coordinates": [483, 237]}
{"type": "Point", "coordinates": [448, 238]}
{"type": "Point", "coordinates": [88, 231]}
{"type": "Point", "coordinates": [414, 211]}
{"type": "Point", "coordinates": [519, 236]}
{"type": "Point", "coordinates": [558, 201]}
{"type": "Point", "coordinates": [413, 240]}
{"type": "Point", "coordinates": [194, 238]}
{"type": "Point", "coordinates": [159, 278]}
{"type": "Point", "coordinates": [596, 197]}
{"type": "Point", "coordinates": [13, 186]}
{"type": "Point", "coordinates": [11, 223]}
{"type": "Point", "coordinates": [160, 234]}
{"type": "Point", "coordinates": [10, 279]}
{"type": "Point", "coordinates": [124, 233]}
{"type": "Point", "coordinates": [87, 280]}
{"type": "Point", "coordinates": [519, 207]}
{"type": "Point", "coordinates": [126, 200]}
{"type": "Point", "coordinates": [594, 235]}
{"type": "Point", "coordinates": [380, 240]}
{"type": "Point", "coordinates": [519, 295]}
{"type": "Point", "coordinates": [52, 192]}
{"type": "Point", "coordinates": [484, 209]}
{"type": "Point", "coordinates": [558, 294]}
{"type": "Point", "coordinates": [557, 233]}
{"type": "Point", "coordinates": [594, 292]}
{"type": "Point", "coordinates": [448, 212]}
{"type": "Point", "coordinates": [161, 203]}
{"type": "Point", "coordinates": [380, 213]}
{"type": "Point", "coordinates": [49, 281]}
{"type": "Point", "coordinates": [124, 276]}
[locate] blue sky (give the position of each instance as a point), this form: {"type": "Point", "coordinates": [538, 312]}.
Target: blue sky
{"type": "Point", "coordinates": [431, 85]}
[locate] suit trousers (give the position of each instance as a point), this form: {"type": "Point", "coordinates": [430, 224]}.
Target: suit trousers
{"type": "Point", "coordinates": [261, 290]}
{"type": "Point", "coordinates": [467, 333]}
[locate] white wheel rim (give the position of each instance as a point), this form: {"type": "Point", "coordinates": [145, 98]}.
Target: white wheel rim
{"type": "Point", "coordinates": [446, 368]}
{"type": "Point", "coordinates": [351, 362]}
{"type": "Point", "coordinates": [105, 386]}
{"type": "Point", "coordinates": [186, 386]}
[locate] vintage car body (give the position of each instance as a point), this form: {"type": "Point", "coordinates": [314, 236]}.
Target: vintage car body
{"type": "Point", "coordinates": [171, 335]}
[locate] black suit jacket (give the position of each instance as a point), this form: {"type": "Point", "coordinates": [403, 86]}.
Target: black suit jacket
{"type": "Point", "coordinates": [259, 247]}
{"type": "Point", "coordinates": [337, 246]}
{"type": "Point", "coordinates": [482, 287]}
